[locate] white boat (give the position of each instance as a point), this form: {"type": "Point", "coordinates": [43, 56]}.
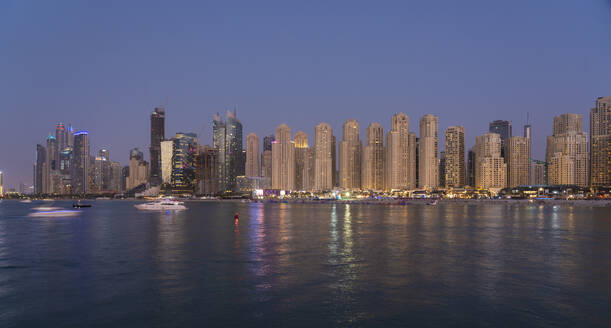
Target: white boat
{"type": "Point", "coordinates": [162, 205]}
{"type": "Point", "coordinates": [25, 201]}
{"type": "Point", "coordinates": [53, 212]}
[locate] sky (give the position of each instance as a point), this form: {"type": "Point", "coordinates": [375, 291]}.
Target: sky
{"type": "Point", "coordinates": [104, 65]}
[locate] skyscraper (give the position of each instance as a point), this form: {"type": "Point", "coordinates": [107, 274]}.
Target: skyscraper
{"type": "Point", "coordinates": [372, 176]}
{"type": "Point", "coordinates": [51, 174]}
{"type": "Point", "coordinates": [184, 178]}
{"type": "Point", "coordinates": [39, 166]}
{"type": "Point", "coordinates": [350, 156]}
{"type": "Point", "coordinates": [61, 135]}
{"type": "Point", "coordinates": [454, 157]}
{"type": "Point", "coordinates": [1, 185]}
{"type": "Point", "coordinates": [116, 175]}
{"type": "Point", "coordinates": [167, 151]}
{"type": "Point", "coordinates": [304, 162]}
{"type": "Point", "coordinates": [80, 167]}
{"type": "Point", "coordinates": [138, 169]}
{"type": "Point", "coordinates": [502, 128]}
{"type": "Point", "coordinates": [323, 162]}
{"type": "Point", "coordinates": [66, 161]}
{"type": "Point", "coordinates": [539, 172]}
{"type": "Point", "coordinates": [428, 157]}
{"type": "Point", "coordinates": [157, 136]}
{"type": "Point", "coordinates": [567, 152]}
{"type": "Point", "coordinates": [283, 159]}
{"type": "Point", "coordinates": [398, 159]}
{"type": "Point", "coordinates": [266, 156]}
{"type": "Point", "coordinates": [228, 141]}
{"type": "Point", "coordinates": [517, 150]}
{"type": "Point", "coordinates": [442, 169]}
{"type": "Point", "coordinates": [490, 168]}
{"type": "Point", "coordinates": [600, 143]}
{"type": "Point", "coordinates": [252, 156]}
{"type": "Point", "coordinates": [471, 168]}
{"type": "Point", "coordinates": [207, 166]}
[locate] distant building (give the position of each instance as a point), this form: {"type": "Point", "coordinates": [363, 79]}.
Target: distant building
{"type": "Point", "coordinates": [350, 156]}
{"type": "Point", "coordinates": [157, 136]}
{"type": "Point", "coordinates": [227, 137]}
{"type": "Point", "coordinates": [428, 157]}
{"type": "Point", "coordinates": [539, 172]}
{"type": "Point", "coordinates": [490, 168]}
{"type": "Point", "coordinates": [323, 157]}
{"type": "Point", "coordinates": [184, 178]}
{"type": "Point", "coordinates": [116, 177]}
{"type": "Point", "coordinates": [252, 156]}
{"type": "Point", "coordinates": [81, 163]}
{"type": "Point", "coordinates": [567, 152]}
{"type": "Point", "coordinates": [51, 176]}
{"type": "Point", "coordinates": [1, 185]}
{"type": "Point", "coordinates": [283, 159]}
{"type": "Point", "coordinates": [517, 150]}
{"type": "Point", "coordinates": [304, 163]}
{"type": "Point", "coordinates": [39, 166]}
{"type": "Point", "coordinates": [138, 169]}
{"type": "Point", "coordinates": [167, 151]}
{"type": "Point", "coordinates": [372, 177]}
{"type": "Point", "coordinates": [399, 157]}
{"type": "Point", "coordinates": [454, 173]}
{"type": "Point", "coordinates": [471, 168]}
{"type": "Point", "coordinates": [600, 143]}
{"type": "Point", "coordinates": [207, 161]}
{"type": "Point", "coordinates": [503, 129]}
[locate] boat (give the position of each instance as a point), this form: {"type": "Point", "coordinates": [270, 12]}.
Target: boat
{"type": "Point", "coordinates": [53, 212]}
{"type": "Point", "coordinates": [162, 205]}
{"type": "Point", "coordinates": [79, 205]}
{"type": "Point", "coordinates": [434, 202]}
{"type": "Point", "coordinates": [25, 201]}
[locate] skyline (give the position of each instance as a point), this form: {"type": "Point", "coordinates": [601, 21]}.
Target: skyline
{"type": "Point", "coordinates": [330, 65]}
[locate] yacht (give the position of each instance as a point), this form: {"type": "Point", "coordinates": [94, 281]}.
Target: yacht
{"type": "Point", "coordinates": [52, 212]}
{"type": "Point", "coordinates": [162, 205]}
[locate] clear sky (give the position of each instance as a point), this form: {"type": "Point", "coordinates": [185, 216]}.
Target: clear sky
{"type": "Point", "coordinates": [104, 65]}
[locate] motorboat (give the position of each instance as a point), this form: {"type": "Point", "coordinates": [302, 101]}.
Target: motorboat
{"type": "Point", "coordinates": [53, 212]}
{"type": "Point", "coordinates": [162, 205]}
{"type": "Point", "coordinates": [432, 203]}
{"type": "Point", "coordinates": [78, 204]}
{"type": "Point", "coordinates": [25, 201]}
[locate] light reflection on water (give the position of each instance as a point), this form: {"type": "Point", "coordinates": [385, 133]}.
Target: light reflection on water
{"type": "Point", "coordinates": [322, 265]}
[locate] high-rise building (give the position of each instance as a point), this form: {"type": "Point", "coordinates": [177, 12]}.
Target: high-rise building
{"type": "Point", "coordinates": [517, 150]}
{"type": "Point", "coordinates": [1, 185]}
{"type": "Point", "coordinates": [539, 172]}
{"type": "Point", "coordinates": [490, 167]}
{"type": "Point", "coordinates": [116, 176]}
{"type": "Point", "coordinates": [323, 157]}
{"type": "Point", "coordinates": [207, 161]}
{"type": "Point", "coordinates": [502, 128]}
{"type": "Point", "coordinates": [81, 163]}
{"type": "Point", "coordinates": [61, 135]}
{"type": "Point", "coordinates": [398, 159]}
{"type": "Point", "coordinates": [138, 169]}
{"type": "Point", "coordinates": [39, 166]}
{"type": "Point", "coordinates": [283, 159]}
{"type": "Point", "coordinates": [350, 156]}
{"type": "Point", "coordinates": [335, 176]}
{"type": "Point", "coordinates": [372, 177]}
{"type": "Point", "coordinates": [184, 178]}
{"type": "Point", "coordinates": [567, 152]}
{"type": "Point", "coordinates": [442, 169]}
{"type": "Point", "coordinates": [65, 170]}
{"type": "Point", "coordinates": [51, 174]}
{"type": "Point", "coordinates": [454, 174]}
{"type": "Point", "coordinates": [157, 136]}
{"type": "Point", "coordinates": [304, 162]}
{"type": "Point", "coordinates": [600, 143]}
{"type": "Point", "coordinates": [528, 135]}
{"type": "Point", "coordinates": [228, 141]}
{"type": "Point", "coordinates": [428, 157]}
{"type": "Point", "coordinates": [252, 156]}
{"type": "Point", "coordinates": [471, 168]}
{"type": "Point", "coordinates": [267, 142]}
{"type": "Point", "coordinates": [167, 151]}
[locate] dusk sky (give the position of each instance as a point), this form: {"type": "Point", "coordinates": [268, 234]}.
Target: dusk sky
{"type": "Point", "coordinates": [103, 66]}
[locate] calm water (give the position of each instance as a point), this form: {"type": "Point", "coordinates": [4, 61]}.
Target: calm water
{"type": "Point", "coordinates": [304, 265]}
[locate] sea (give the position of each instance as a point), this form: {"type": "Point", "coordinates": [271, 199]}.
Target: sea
{"type": "Point", "coordinates": [306, 265]}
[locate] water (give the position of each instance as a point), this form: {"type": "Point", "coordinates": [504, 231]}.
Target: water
{"type": "Point", "coordinates": [308, 266]}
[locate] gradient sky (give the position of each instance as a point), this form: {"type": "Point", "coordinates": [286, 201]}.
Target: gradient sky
{"type": "Point", "coordinates": [104, 65]}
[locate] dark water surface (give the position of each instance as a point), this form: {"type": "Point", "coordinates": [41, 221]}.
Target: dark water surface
{"type": "Point", "coordinates": [304, 265]}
